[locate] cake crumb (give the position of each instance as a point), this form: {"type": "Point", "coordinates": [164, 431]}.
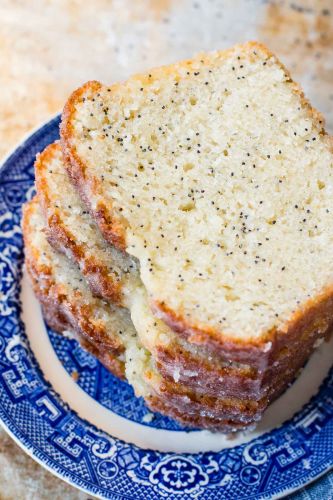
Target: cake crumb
{"type": "Point", "coordinates": [147, 418]}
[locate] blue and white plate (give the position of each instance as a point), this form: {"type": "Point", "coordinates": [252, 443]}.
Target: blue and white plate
{"type": "Point", "coordinates": [87, 427]}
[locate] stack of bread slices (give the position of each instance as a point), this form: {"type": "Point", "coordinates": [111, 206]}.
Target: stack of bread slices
{"type": "Point", "coordinates": [182, 231]}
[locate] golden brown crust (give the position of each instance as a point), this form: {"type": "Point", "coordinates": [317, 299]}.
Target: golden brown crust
{"type": "Point", "coordinates": [313, 320]}
{"type": "Point", "coordinates": [111, 228]}
{"type": "Point", "coordinates": [55, 320]}
{"type": "Point", "coordinates": [102, 282]}
{"type": "Point", "coordinates": [181, 401]}
{"type": "Point", "coordinates": [227, 425]}
{"type": "Point", "coordinates": [108, 360]}
{"type": "Point", "coordinates": [58, 321]}
{"type": "Point", "coordinates": [193, 403]}
{"type": "Point", "coordinates": [271, 382]}
{"type": "Point", "coordinates": [237, 350]}
{"type": "Point", "coordinates": [210, 376]}
{"type": "Point", "coordinates": [76, 315]}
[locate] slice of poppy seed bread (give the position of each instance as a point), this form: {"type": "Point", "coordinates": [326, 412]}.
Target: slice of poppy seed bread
{"type": "Point", "coordinates": [216, 174]}
{"type": "Point", "coordinates": [78, 237]}
{"type": "Point", "coordinates": [111, 273]}
{"type": "Point", "coordinates": [68, 305]}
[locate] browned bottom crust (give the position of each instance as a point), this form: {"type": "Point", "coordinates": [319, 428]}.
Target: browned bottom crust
{"type": "Point", "coordinates": [192, 403]}
{"type": "Point", "coordinates": [209, 375]}
{"type": "Point", "coordinates": [196, 421]}
{"type": "Point", "coordinates": [96, 275]}
{"type": "Point", "coordinates": [212, 378]}
{"type": "Point", "coordinates": [314, 320]}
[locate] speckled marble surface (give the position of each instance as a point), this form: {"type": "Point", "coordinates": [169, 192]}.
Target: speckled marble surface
{"type": "Point", "coordinates": [49, 47]}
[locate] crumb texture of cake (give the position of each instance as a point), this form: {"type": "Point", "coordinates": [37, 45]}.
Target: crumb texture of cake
{"type": "Point", "coordinates": [216, 174]}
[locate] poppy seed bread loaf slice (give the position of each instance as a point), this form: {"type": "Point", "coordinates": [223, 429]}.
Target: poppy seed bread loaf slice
{"type": "Point", "coordinates": [216, 174]}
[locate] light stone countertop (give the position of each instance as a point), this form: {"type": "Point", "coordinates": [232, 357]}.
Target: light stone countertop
{"type": "Point", "coordinates": [49, 47]}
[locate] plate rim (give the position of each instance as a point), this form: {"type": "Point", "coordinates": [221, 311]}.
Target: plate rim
{"type": "Point", "coordinates": [34, 454]}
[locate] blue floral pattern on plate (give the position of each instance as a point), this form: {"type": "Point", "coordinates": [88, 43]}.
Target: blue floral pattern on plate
{"type": "Point", "coordinates": [274, 464]}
